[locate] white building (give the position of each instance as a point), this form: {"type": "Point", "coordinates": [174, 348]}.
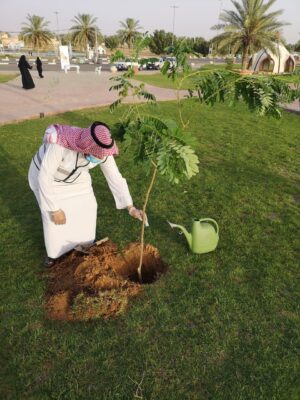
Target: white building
{"type": "Point", "coordinates": [101, 50]}
{"type": "Point", "coordinates": [282, 61]}
{"type": "Point", "coordinates": [16, 45]}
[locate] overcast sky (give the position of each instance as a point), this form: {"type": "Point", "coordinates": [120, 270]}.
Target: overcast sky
{"type": "Point", "coordinates": [192, 18]}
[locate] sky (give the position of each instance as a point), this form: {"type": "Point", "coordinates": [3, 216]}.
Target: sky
{"type": "Point", "coordinates": [192, 17]}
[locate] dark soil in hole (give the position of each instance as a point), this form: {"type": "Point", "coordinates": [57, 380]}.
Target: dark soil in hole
{"type": "Point", "coordinates": [99, 284]}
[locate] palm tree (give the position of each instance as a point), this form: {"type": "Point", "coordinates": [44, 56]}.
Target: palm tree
{"type": "Point", "coordinates": [84, 31]}
{"type": "Point", "coordinates": [129, 31]}
{"type": "Point", "coordinates": [34, 32]}
{"type": "Point", "coordinates": [249, 28]}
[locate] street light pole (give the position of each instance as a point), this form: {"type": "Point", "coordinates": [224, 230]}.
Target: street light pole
{"type": "Point", "coordinates": [96, 46]}
{"type": "Point", "coordinates": [57, 27]}
{"type": "Point", "coordinates": [219, 20]}
{"type": "Point", "coordinates": [174, 9]}
{"type": "Point", "coordinates": [220, 10]}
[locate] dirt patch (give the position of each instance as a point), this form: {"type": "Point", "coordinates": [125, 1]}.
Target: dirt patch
{"type": "Point", "coordinates": [99, 282]}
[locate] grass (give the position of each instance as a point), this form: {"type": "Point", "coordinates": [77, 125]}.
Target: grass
{"type": "Point", "coordinates": [219, 326]}
{"type": "Point", "coordinates": [157, 79]}
{"type": "Point", "coordinates": [291, 78]}
{"type": "Point", "coordinates": [160, 80]}
{"type": "Point", "coordinates": [7, 77]}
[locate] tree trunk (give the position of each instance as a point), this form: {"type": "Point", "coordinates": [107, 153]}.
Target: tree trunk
{"type": "Point", "coordinates": [245, 57]}
{"type": "Point", "coordinates": [143, 223]}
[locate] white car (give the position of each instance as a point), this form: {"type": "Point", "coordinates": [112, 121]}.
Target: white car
{"type": "Point", "coordinates": [172, 61]}
{"type": "Point", "coordinates": [125, 65]}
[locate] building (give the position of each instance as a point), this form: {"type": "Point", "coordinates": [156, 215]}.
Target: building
{"type": "Point", "coordinates": [282, 61]}
{"type": "Point", "coordinates": [11, 42]}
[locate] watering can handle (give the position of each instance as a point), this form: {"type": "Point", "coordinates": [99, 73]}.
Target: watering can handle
{"type": "Point", "coordinates": [213, 221]}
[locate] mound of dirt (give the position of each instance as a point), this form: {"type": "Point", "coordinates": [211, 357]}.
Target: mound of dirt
{"type": "Point", "coordinates": [99, 281]}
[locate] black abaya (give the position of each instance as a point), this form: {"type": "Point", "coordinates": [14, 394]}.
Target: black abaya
{"type": "Point", "coordinates": [26, 77]}
{"type": "Point", "coordinates": [39, 67]}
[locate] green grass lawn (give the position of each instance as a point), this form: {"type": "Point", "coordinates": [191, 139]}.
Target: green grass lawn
{"type": "Point", "coordinates": [157, 79]}
{"type": "Point", "coordinates": [160, 80]}
{"type": "Point", "coordinates": [6, 77]}
{"type": "Point", "coordinates": [290, 78]}
{"type": "Point", "coordinates": [218, 326]}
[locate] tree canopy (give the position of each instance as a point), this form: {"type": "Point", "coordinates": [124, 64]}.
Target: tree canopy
{"type": "Point", "coordinates": [84, 31]}
{"type": "Point", "coordinates": [160, 40]}
{"type": "Point", "coordinates": [112, 42]}
{"type": "Point", "coordinates": [35, 32]}
{"type": "Point", "coordinates": [248, 28]}
{"type": "Point", "coordinates": [129, 31]}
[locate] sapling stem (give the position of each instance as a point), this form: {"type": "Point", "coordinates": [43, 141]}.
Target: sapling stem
{"type": "Point", "coordinates": [143, 223]}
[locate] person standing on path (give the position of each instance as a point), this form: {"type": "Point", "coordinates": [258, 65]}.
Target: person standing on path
{"type": "Point", "coordinates": [60, 179]}
{"type": "Point", "coordinates": [39, 67]}
{"type": "Point", "coordinates": [24, 70]}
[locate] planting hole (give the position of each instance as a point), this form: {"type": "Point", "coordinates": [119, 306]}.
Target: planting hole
{"type": "Point", "coordinates": [85, 286]}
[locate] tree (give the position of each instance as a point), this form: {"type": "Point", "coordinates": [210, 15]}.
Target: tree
{"type": "Point", "coordinates": [164, 146]}
{"type": "Point", "coordinates": [200, 46]}
{"type": "Point", "coordinates": [84, 31]}
{"type": "Point", "coordinates": [130, 30]}
{"type": "Point", "coordinates": [66, 38]}
{"type": "Point", "coordinates": [215, 50]}
{"type": "Point", "coordinates": [159, 41]}
{"type": "Point", "coordinates": [34, 33]}
{"type": "Point", "coordinates": [112, 42]}
{"type": "Point", "coordinates": [297, 46]}
{"type": "Point", "coordinates": [248, 28]}
{"type": "Point", "coordinates": [160, 144]}
{"type": "Point", "coordinates": [197, 44]}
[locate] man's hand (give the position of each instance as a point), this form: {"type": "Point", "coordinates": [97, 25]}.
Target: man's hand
{"type": "Point", "coordinates": [138, 214]}
{"type": "Point", "coordinates": [58, 217]}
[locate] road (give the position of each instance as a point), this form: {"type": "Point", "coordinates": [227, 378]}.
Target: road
{"type": "Point", "coordinates": [12, 66]}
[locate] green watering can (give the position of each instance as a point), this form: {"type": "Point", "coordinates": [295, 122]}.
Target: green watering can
{"type": "Point", "coordinates": [204, 237]}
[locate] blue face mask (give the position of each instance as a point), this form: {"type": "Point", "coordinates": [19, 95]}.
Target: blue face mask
{"type": "Point", "coordinates": [93, 159]}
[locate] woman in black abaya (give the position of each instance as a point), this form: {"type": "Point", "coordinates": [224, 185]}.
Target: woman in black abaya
{"type": "Point", "coordinates": [26, 77]}
{"type": "Point", "coordinates": [39, 67]}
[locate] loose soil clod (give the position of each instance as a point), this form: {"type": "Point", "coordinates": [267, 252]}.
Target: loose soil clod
{"type": "Point", "coordinates": [99, 284]}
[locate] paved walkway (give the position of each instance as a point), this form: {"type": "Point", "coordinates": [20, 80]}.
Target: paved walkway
{"type": "Point", "coordinates": [59, 92]}
{"type": "Point", "coordinates": [293, 107]}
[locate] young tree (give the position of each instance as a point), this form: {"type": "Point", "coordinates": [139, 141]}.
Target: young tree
{"type": "Point", "coordinates": [159, 41]}
{"type": "Point", "coordinates": [165, 146]}
{"type": "Point", "coordinates": [35, 32]}
{"type": "Point", "coordinates": [130, 30]}
{"type": "Point", "coordinates": [84, 31]}
{"type": "Point", "coordinates": [249, 27]}
{"type": "Point", "coordinates": [160, 144]}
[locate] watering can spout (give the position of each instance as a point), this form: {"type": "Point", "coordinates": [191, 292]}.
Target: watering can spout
{"type": "Point", "coordinates": [184, 231]}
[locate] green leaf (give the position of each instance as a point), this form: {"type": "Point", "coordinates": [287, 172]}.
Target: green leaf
{"type": "Point", "coordinates": [263, 95]}
{"type": "Point", "coordinates": [165, 68]}
{"type": "Point", "coordinates": [114, 105]}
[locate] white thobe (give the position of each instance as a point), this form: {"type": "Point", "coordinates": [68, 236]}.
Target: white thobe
{"type": "Point", "coordinates": [60, 179]}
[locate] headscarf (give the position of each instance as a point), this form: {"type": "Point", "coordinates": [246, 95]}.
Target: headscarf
{"type": "Point", "coordinates": [95, 140]}
{"type": "Point", "coordinates": [22, 62]}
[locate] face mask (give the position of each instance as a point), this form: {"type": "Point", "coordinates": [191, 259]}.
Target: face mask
{"type": "Point", "coordinates": [93, 159]}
